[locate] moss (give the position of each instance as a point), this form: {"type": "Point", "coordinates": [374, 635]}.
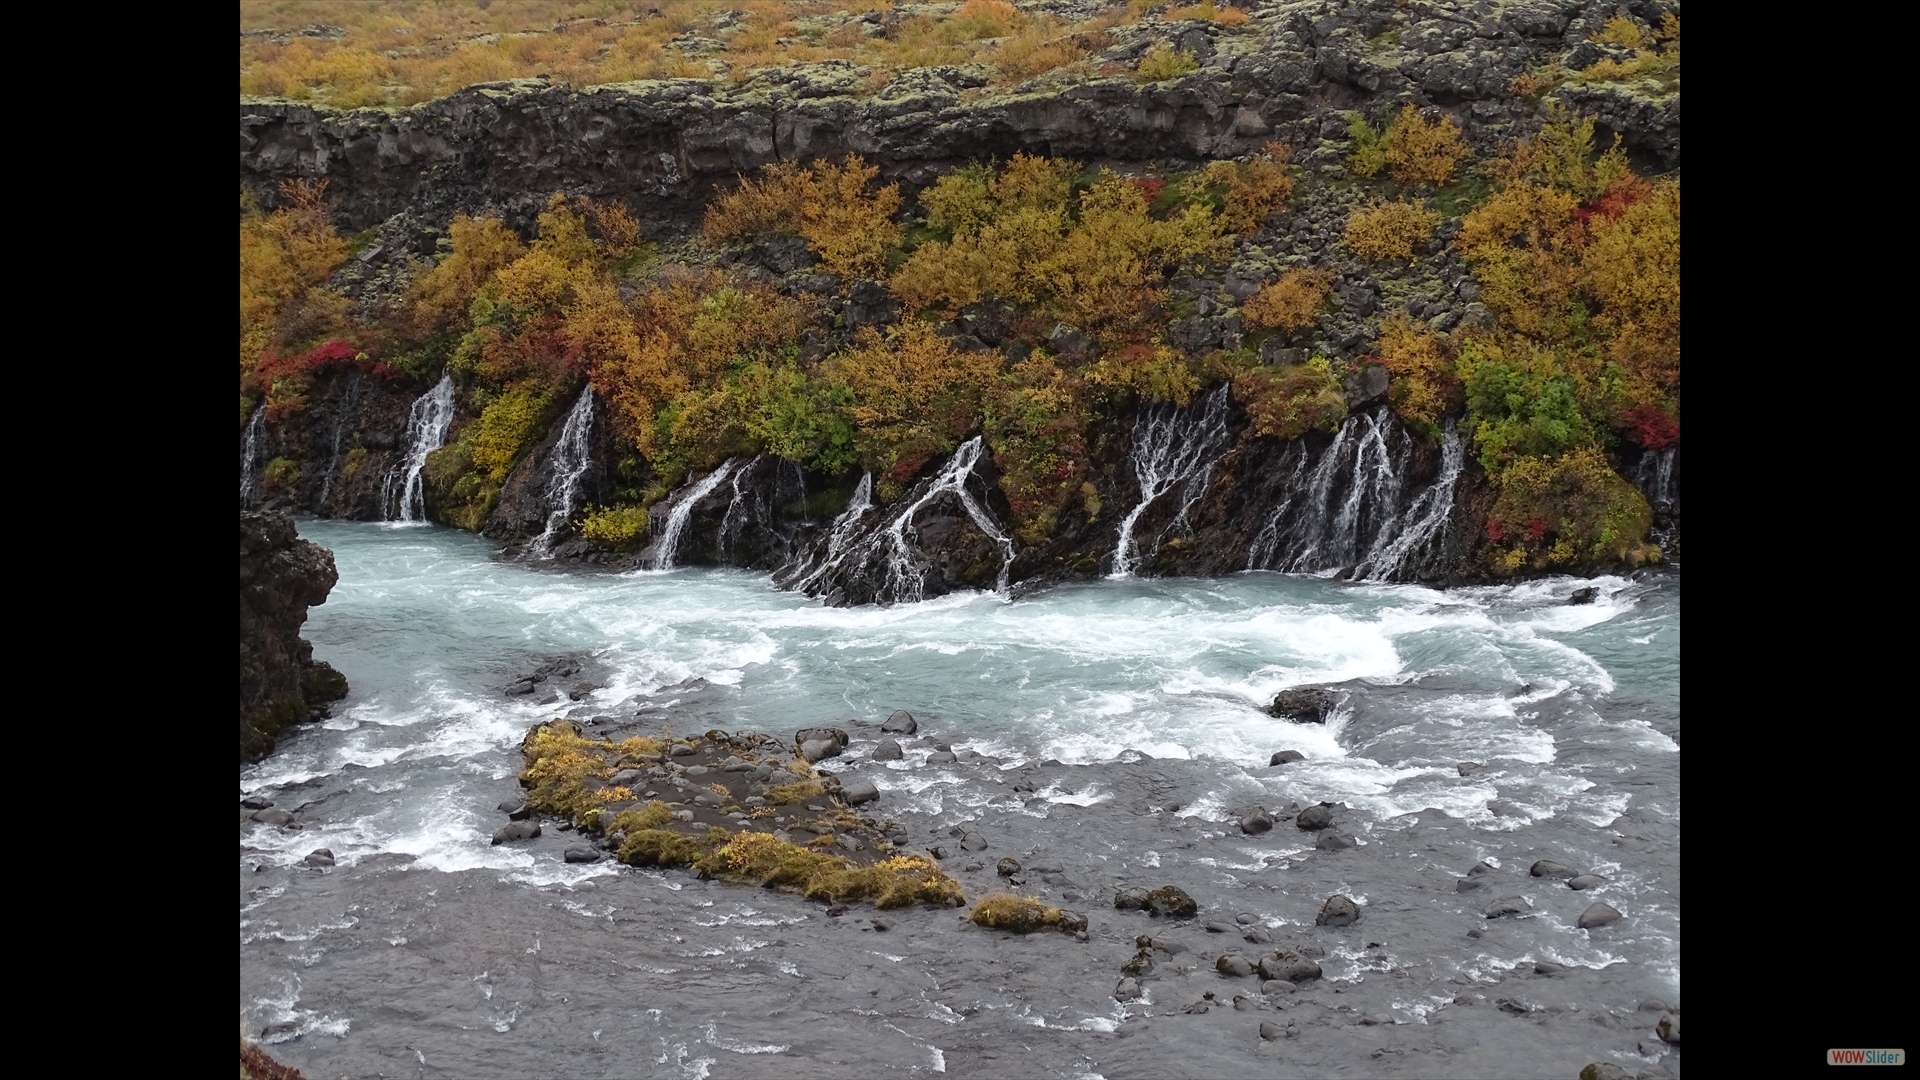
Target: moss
{"type": "Point", "coordinates": [788, 794]}
{"type": "Point", "coordinates": [775, 864]}
{"type": "Point", "coordinates": [1021, 915]}
{"type": "Point", "coordinates": [566, 773]}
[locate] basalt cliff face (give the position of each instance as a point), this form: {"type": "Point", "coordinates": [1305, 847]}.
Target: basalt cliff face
{"type": "Point", "coordinates": [1187, 491]}
{"type": "Point", "coordinates": [281, 576]}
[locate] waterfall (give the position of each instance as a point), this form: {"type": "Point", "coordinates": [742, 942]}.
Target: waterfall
{"type": "Point", "coordinates": [250, 453]}
{"type": "Point", "coordinates": [735, 517]}
{"type": "Point", "coordinates": [572, 455]}
{"type": "Point", "coordinates": [1170, 447]}
{"type": "Point", "coordinates": [903, 575]}
{"type": "Point", "coordinates": [1654, 475]}
{"type": "Point", "coordinates": [844, 528]}
{"type": "Point", "coordinates": [402, 497]}
{"type": "Point", "coordinates": [1345, 509]}
{"type": "Point", "coordinates": [340, 424]}
{"type": "Point", "coordinates": [669, 540]}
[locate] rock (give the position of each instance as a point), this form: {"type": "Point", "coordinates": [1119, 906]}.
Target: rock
{"type": "Point", "coordinates": [627, 778]}
{"type": "Point", "coordinates": [941, 757]}
{"type": "Point", "coordinates": [1007, 867]}
{"type": "Point", "coordinates": [1339, 910]}
{"type": "Point", "coordinates": [1581, 882]}
{"type": "Point", "coordinates": [1470, 884]}
{"type": "Point", "coordinates": [1070, 344]}
{"type": "Point", "coordinates": [1288, 966]}
{"type": "Point", "coordinates": [1604, 1070]}
{"type": "Point", "coordinates": [319, 857]}
{"type": "Point", "coordinates": [1257, 822]}
{"type": "Point", "coordinates": [1479, 868]}
{"type": "Point", "coordinates": [1237, 966]}
{"type": "Point", "coordinates": [900, 723]}
{"type": "Point", "coordinates": [888, 750]}
{"type": "Point", "coordinates": [1335, 840]}
{"type": "Point", "coordinates": [1377, 1019]}
{"type": "Point", "coordinates": [281, 576]}
{"type": "Point", "coordinates": [1305, 705]}
{"type": "Point", "coordinates": [1598, 915]}
{"type": "Point", "coordinates": [1270, 1030]}
{"type": "Point", "coordinates": [859, 792]}
{"type": "Point", "coordinates": [1507, 907]}
{"type": "Point", "coordinates": [1172, 901]}
{"type": "Point", "coordinates": [1276, 987]}
{"type": "Point", "coordinates": [1128, 989]}
{"type": "Point", "coordinates": [807, 735]}
{"type": "Point", "coordinates": [517, 830]}
{"type": "Point", "coordinates": [707, 799]}
{"type": "Point", "coordinates": [681, 750]}
{"type": "Point", "coordinates": [1073, 922]}
{"type": "Point", "coordinates": [816, 750]}
{"type": "Point", "coordinates": [1130, 899]}
{"type": "Point", "coordinates": [847, 842]}
{"type": "Point", "coordinates": [1547, 868]}
{"type": "Point", "coordinates": [583, 853]}
{"type": "Point", "coordinates": [1256, 935]}
{"type": "Point", "coordinates": [1547, 967]}
{"type": "Point", "coordinates": [1505, 808]}
{"type": "Point", "coordinates": [256, 802]}
{"type": "Point", "coordinates": [1584, 596]}
{"type": "Point", "coordinates": [271, 817]}
{"type": "Point", "coordinates": [1287, 757]}
{"type": "Point", "coordinates": [1366, 383]}
{"type": "Point", "coordinates": [973, 841]}
{"type": "Point", "coordinates": [1318, 816]}
{"type": "Point", "coordinates": [1669, 1028]}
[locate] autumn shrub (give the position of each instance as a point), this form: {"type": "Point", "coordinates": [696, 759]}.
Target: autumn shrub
{"type": "Point", "coordinates": [1385, 231]}
{"type": "Point", "coordinates": [1163, 61]}
{"type": "Point", "coordinates": [1621, 30]}
{"type": "Point", "coordinates": [1572, 509]}
{"type": "Point", "coordinates": [439, 297]}
{"type": "Point", "coordinates": [1288, 401]}
{"type": "Point", "coordinates": [1369, 153]}
{"type": "Point", "coordinates": [1148, 372]}
{"type": "Point", "coordinates": [1249, 192]}
{"type": "Point", "coordinates": [1422, 387]}
{"type": "Point", "coordinates": [286, 257]}
{"type": "Point", "coordinates": [506, 427]}
{"type": "Point", "coordinates": [911, 398]}
{"type": "Point", "coordinates": [796, 414]}
{"type": "Point", "coordinates": [850, 228]}
{"type": "Point", "coordinates": [614, 527]}
{"type": "Point", "coordinates": [1224, 14]}
{"type": "Point", "coordinates": [1289, 303]}
{"type": "Point", "coordinates": [1422, 151]}
{"type": "Point", "coordinates": [1036, 421]}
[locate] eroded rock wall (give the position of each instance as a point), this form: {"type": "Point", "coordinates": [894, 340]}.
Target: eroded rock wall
{"type": "Point", "coordinates": [281, 576]}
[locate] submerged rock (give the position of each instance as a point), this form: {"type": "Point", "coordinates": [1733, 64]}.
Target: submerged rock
{"type": "Point", "coordinates": [1547, 868]}
{"type": "Point", "coordinates": [1339, 910]}
{"type": "Point", "coordinates": [1286, 757]}
{"type": "Point", "coordinates": [1127, 989]}
{"type": "Point", "coordinates": [1335, 840]}
{"type": "Point", "coordinates": [1585, 881]}
{"type": "Point", "coordinates": [1306, 705]}
{"type": "Point", "coordinates": [1507, 907]}
{"type": "Point", "coordinates": [516, 830]}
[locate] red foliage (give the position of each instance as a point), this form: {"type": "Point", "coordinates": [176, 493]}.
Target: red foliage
{"type": "Point", "coordinates": [1495, 533]}
{"type": "Point", "coordinates": [1149, 186]}
{"type": "Point", "coordinates": [1536, 529]}
{"type": "Point", "coordinates": [274, 366]}
{"type": "Point", "coordinates": [1614, 201]}
{"type": "Point", "coordinates": [1647, 426]}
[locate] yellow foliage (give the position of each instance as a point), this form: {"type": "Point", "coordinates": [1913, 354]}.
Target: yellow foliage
{"type": "Point", "coordinates": [1389, 230]}
{"type": "Point", "coordinates": [285, 258]}
{"type": "Point", "coordinates": [439, 297]}
{"type": "Point", "coordinates": [1631, 263]}
{"type": "Point", "coordinates": [1163, 62]}
{"type": "Point", "coordinates": [1155, 373]}
{"type": "Point", "coordinates": [788, 794]}
{"type": "Point", "coordinates": [1421, 152]}
{"type": "Point", "coordinates": [614, 527]}
{"type": "Point", "coordinates": [1422, 387]}
{"type": "Point", "coordinates": [1225, 15]}
{"type": "Point", "coordinates": [1251, 192]}
{"type": "Point", "coordinates": [771, 203]}
{"type": "Point", "coordinates": [849, 229]}
{"type": "Point", "coordinates": [1289, 303]}
{"type": "Point", "coordinates": [505, 428]}
{"type": "Point", "coordinates": [913, 395]}
{"type": "Point", "coordinates": [1621, 30]}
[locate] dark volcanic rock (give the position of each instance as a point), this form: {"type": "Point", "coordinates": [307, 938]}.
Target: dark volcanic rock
{"type": "Point", "coordinates": [859, 792]}
{"type": "Point", "coordinates": [1507, 907]}
{"type": "Point", "coordinates": [1669, 1028]}
{"type": "Point", "coordinates": [1547, 868]}
{"type": "Point", "coordinates": [281, 576]}
{"type": "Point", "coordinates": [1287, 757]}
{"type": "Point", "coordinates": [1257, 822]}
{"type": "Point", "coordinates": [1335, 840]}
{"type": "Point", "coordinates": [1598, 915]}
{"type": "Point", "coordinates": [319, 857]}
{"type": "Point", "coordinates": [1306, 705]}
{"type": "Point", "coordinates": [1288, 966]}
{"type": "Point", "coordinates": [1604, 1070]}
{"type": "Point", "coordinates": [1234, 965]}
{"type": "Point", "coordinates": [583, 853]}
{"type": "Point", "coordinates": [1128, 989]}
{"type": "Point", "coordinates": [516, 830]}
{"type": "Point", "coordinates": [1007, 867]}
{"type": "Point", "coordinates": [888, 750]}
{"type": "Point", "coordinates": [1173, 901]}
{"type": "Point", "coordinates": [1585, 881]}
{"type": "Point", "coordinates": [900, 723]}
{"type": "Point", "coordinates": [1339, 910]}
{"type": "Point", "coordinates": [1130, 899]}
{"type": "Point", "coordinates": [1315, 817]}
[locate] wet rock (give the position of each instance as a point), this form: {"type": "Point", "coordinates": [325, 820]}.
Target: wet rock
{"type": "Point", "coordinates": [681, 750]}
{"type": "Point", "coordinates": [1584, 596]}
{"type": "Point", "coordinates": [1339, 910]}
{"type": "Point", "coordinates": [1257, 822]}
{"type": "Point", "coordinates": [941, 757]}
{"type": "Point", "coordinates": [807, 735]}
{"type": "Point", "coordinates": [319, 857]}
{"type": "Point", "coordinates": [281, 576]}
{"type": "Point", "coordinates": [256, 802]}
{"type": "Point", "coordinates": [1581, 882]}
{"type": "Point", "coordinates": [1507, 907]}
{"type": "Point", "coordinates": [1270, 1030]}
{"type": "Point", "coordinates": [859, 792]}
{"type": "Point", "coordinates": [1287, 757]}
{"type": "Point", "coordinates": [1007, 867]}
{"type": "Point", "coordinates": [1073, 922]}
{"type": "Point", "coordinates": [817, 750]}
{"type": "Point", "coordinates": [1470, 884]}
{"type": "Point", "coordinates": [1256, 935]}
{"type": "Point", "coordinates": [1604, 1070]}
{"type": "Point", "coordinates": [1335, 840]}
{"type": "Point", "coordinates": [1547, 967]}
{"type": "Point", "coordinates": [583, 853]}
{"type": "Point", "coordinates": [1130, 899]}
{"type": "Point", "coordinates": [1288, 966]}
{"type": "Point", "coordinates": [1234, 965]}
{"type": "Point", "coordinates": [1377, 1019]}
{"type": "Point", "coordinates": [1669, 1028]}
{"type": "Point", "coordinates": [1305, 705]}
{"type": "Point", "coordinates": [1547, 868]}
{"type": "Point", "coordinates": [1598, 915]}
{"type": "Point", "coordinates": [1128, 989]}
{"type": "Point", "coordinates": [1468, 768]}
{"type": "Point", "coordinates": [973, 841]}
{"type": "Point", "coordinates": [1276, 987]}
{"type": "Point", "coordinates": [516, 830]}
{"type": "Point", "coordinates": [900, 723]}
{"type": "Point", "coordinates": [1479, 868]}
{"type": "Point", "coordinates": [515, 809]}
{"type": "Point", "coordinates": [1173, 901]}
{"type": "Point", "coordinates": [1318, 816]}
{"type": "Point", "coordinates": [888, 750]}
{"type": "Point", "coordinates": [1246, 918]}
{"type": "Point", "coordinates": [1505, 808]}
{"type": "Point", "coordinates": [272, 816]}
{"type": "Point", "coordinates": [1218, 927]}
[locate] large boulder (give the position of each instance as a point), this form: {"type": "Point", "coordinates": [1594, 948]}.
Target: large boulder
{"type": "Point", "coordinates": [1339, 910]}
{"type": "Point", "coordinates": [1288, 966]}
{"type": "Point", "coordinates": [1318, 816]}
{"type": "Point", "coordinates": [1304, 705]}
{"type": "Point", "coordinates": [281, 576]}
{"type": "Point", "coordinates": [1173, 901]}
{"type": "Point", "coordinates": [900, 723]}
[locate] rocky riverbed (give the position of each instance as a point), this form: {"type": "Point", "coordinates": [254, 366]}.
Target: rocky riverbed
{"type": "Point", "coordinates": [1468, 867]}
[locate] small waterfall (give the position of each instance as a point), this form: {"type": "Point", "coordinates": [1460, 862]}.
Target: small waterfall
{"type": "Point", "coordinates": [402, 497]}
{"type": "Point", "coordinates": [844, 528]}
{"type": "Point", "coordinates": [1344, 509]}
{"type": "Point", "coordinates": [572, 455]}
{"type": "Point", "coordinates": [737, 508]}
{"type": "Point", "coordinates": [250, 454]}
{"type": "Point", "coordinates": [1654, 476]}
{"type": "Point", "coordinates": [903, 574]}
{"type": "Point", "coordinates": [669, 539]}
{"type": "Point", "coordinates": [1170, 447]}
{"type": "Point", "coordinates": [340, 425]}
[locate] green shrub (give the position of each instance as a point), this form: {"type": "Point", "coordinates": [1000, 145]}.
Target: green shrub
{"type": "Point", "coordinates": [616, 527]}
{"type": "Point", "coordinates": [1163, 61]}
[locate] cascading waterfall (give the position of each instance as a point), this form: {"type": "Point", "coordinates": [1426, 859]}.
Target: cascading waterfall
{"type": "Point", "coordinates": [736, 513]}
{"type": "Point", "coordinates": [669, 541]}
{"type": "Point", "coordinates": [1344, 510]}
{"type": "Point", "coordinates": [572, 455]}
{"type": "Point", "coordinates": [402, 497]}
{"type": "Point", "coordinates": [903, 575]}
{"type": "Point", "coordinates": [340, 425]}
{"type": "Point", "coordinates": [1655, 476]}
{"type": "Point", "coordinates": [844, 528]}
{"type": "Point", "coordinates": [1170, 447]}
{"type": "Point", "coordinates": [250, 453]}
